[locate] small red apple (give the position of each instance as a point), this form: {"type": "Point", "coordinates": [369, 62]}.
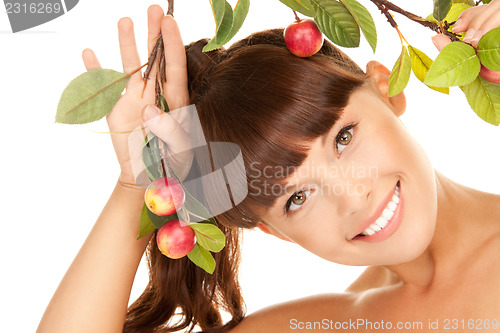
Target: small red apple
{"type": "Point", "coordinates": [489, 75]}
{"type": "Point", "coordinates": [303, 38]}
{"type": "Point", "coordinates": [175, 239]}
{"type": "Point", "coordinates": [164, 196]}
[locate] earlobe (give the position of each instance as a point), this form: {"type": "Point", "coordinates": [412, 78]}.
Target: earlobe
{"type": "Point", "coordinates": [379, 74]}
{"type": "Point", "coordinates": [271, 231]}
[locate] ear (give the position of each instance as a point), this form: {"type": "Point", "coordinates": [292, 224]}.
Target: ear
{"type": "Point", "coordinates": [271, 231]}
{"type": "Point", "coordinates": [379, 74]}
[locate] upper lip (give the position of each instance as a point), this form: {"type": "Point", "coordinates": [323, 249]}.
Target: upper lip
{"type": "Point", "coordinates": [369, 221]}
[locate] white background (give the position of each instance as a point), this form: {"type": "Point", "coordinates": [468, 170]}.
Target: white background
{"type": "Point", "coordinates": [57, 178]}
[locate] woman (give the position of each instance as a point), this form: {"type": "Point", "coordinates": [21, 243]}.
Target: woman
{"type": "Point", "coordinates": [363, 193]}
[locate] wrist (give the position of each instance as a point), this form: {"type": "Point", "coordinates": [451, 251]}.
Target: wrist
{"type": "Point", "coordinates": [128, 184]}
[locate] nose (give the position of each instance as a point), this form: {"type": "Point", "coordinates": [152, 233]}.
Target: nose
{"type": "Point", "coordinates": [350, 195]}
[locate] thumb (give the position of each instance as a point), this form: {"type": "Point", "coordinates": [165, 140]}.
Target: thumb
{"type": "Point", "coordinates": [166, 127]}
{"type": "Point", "coordinates": [440, 41]}
{"type": "Point", "coordinates": [179, 143]}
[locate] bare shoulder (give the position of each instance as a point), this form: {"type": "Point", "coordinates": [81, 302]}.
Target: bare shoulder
{"type": "Point", "coordinates": [289, 316]}
{"type": "Point", "coordinates": [373, 277]}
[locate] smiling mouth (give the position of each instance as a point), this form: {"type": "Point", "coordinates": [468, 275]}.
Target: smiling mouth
{"type": "Point", "coordinates": [384, 219]}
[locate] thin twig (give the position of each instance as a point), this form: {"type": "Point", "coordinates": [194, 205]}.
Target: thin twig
{"type": "Point", "coordinates": [151, 60]}
{"type": "Point", "coordinates": [170, 10]}
{"type": "Point", "coordinates": [385, 5]}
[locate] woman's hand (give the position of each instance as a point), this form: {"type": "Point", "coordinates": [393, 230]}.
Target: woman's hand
{"type": "Point", "coordinates": [475, 21]}
{"type": "Point", "coordinates": [129, 111]}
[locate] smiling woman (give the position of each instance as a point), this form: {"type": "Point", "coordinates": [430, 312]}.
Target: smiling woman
{"type": "Point", "coordinates": [352, 186]}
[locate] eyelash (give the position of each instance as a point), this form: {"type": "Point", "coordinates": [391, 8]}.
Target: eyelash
{"type": "Point", "coordinates": [352, 126]}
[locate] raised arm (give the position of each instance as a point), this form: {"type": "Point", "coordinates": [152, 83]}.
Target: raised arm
{"type": "Point", "coordinates": [94, 293]}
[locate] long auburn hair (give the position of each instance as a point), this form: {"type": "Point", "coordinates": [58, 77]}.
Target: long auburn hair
{"type": "Point", "coordinates": [272, 104]}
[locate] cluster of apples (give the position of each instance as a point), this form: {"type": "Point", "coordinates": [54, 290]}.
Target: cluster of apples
{"type": "Point", "coordinates": [163, 197]}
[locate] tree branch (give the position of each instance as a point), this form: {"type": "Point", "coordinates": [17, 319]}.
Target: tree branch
{"type": "Point", "coordinates": [385, 6]}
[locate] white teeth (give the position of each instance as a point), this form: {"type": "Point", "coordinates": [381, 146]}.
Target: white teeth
{"type": "Point", "coordinates": [386, 215]}
{"type": "Point", "coordinates": [395, 198]}
{"type": "Point", "coordinates": [369, 231]}
{"type": "Point", "coordinates": [381, 222]}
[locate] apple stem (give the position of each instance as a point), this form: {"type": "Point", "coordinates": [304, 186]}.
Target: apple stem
{"type": "Point", "coordinates": [297, 18]}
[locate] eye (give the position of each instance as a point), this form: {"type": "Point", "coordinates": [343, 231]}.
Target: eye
{"type": "Point", "coordinates": [296, 200]}
{"type": "Point", "coordinates": [344, 138]}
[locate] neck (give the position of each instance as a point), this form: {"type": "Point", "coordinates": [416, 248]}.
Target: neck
{"type": "Point", "coordinates": [464, 221]}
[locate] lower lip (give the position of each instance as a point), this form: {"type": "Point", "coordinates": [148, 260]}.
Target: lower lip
{"type": "Point", "coordinates": [391, 226]}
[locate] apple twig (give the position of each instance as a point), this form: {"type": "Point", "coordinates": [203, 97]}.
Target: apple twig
{"type": "Point", "coordinates": [385, 6]}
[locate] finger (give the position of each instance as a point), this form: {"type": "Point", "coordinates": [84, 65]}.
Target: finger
{"type": "Point", "coordinates": [90, 60]}
{"type": "Point", "coordinates": [175, 90]}
{"type": "Point", "coordinates": [440, 41]}
{"type": "Point", "coordinates": [155, 15]}
{"type": "Point", "coordinates": [164, 126]}
{"type": "Point", "coordinates": [128, 48]}
{"type": "Point", "coordinates": [464, 19]}
{"type": "Point", "coordinates": [475, 18]}
{"type": "Point", "coordinates": [491, 22]}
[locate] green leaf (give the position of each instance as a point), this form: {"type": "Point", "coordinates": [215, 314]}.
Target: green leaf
{"type": "Point", "coordinates": [209, 236]}
{"type": "Point", "coordinates": [202, 258]}
{"type": "Point", "coordinates": [400, 74]}
{"type": "Point", "coordinates": [471, 3]}
{"type": "Point", "coordinates": [456, 64]}
{"type": "Point", "coordinates": [163, 104]}
{"type": "Point", "coordinates": [146, 225]}
{"type": "Point", "coordinates": [336, 22]}
{"type": "Point", "coordinates": [364, 19]}
{"type": "Point", "coordinates": [159, 221]}
{"type": "Point", "coordinates": [453, 14]}
{"type": "Point", "coordinates": [90, 96]}
{"type": "Point", "coordinates": [239, 14]}
{"type": "Point", "coordinates": [484, 99]}
{"type": "Point", "coordinates": [197, 209]}
{"type": "Point", "coordinates": [223, 14]}
{"type": "Point", "coordinates": [420, 64]}
{"type": "Point", "coordinates": [486, 1]}
{"type": "Point", "coordinates": [441, 8]}
{"type": "Point", "coordinates": [455, 11]}
{"type": "Point", "coordinates": [151, 158]}
{"type": "Point", "coordinates": [488, 49]}
{"type": "Point", "coordinates": [302, 6]}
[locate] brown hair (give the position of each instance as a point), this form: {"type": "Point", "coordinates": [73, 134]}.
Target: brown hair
{"type": "Point", "coordinates": [272, 104]}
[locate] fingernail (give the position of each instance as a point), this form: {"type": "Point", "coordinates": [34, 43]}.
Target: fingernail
{"type": "Point", "coordinates": [150, 112]}
{"type": "Point", "coordinates": [477, 36]}
{"type": "Point", "coordinates": [435, 41]}
{"type": "Point", "coordinates": [457, 25]}
{"type": "Point", "coordinates": [468, 36]}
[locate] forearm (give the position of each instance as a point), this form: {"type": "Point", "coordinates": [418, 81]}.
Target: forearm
{"type": "Point", "coordinates": [93, 295]}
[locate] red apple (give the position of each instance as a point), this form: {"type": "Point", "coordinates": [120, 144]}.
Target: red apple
{"type": "Point", "coordinates": [489, 75]}
{"type": "Point", "coordinates": [164, 196]}
{"type": "Point", "coordinates": [303, 38]}
{"type": "Point", "coordinates": [175, 239]}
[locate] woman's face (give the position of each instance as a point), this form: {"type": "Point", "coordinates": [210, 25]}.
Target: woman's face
{"type": "Point", "coordinates": [349, 177]}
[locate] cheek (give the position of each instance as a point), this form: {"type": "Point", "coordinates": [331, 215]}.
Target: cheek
{"type": "Point", "coordinates": [400, 156]}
